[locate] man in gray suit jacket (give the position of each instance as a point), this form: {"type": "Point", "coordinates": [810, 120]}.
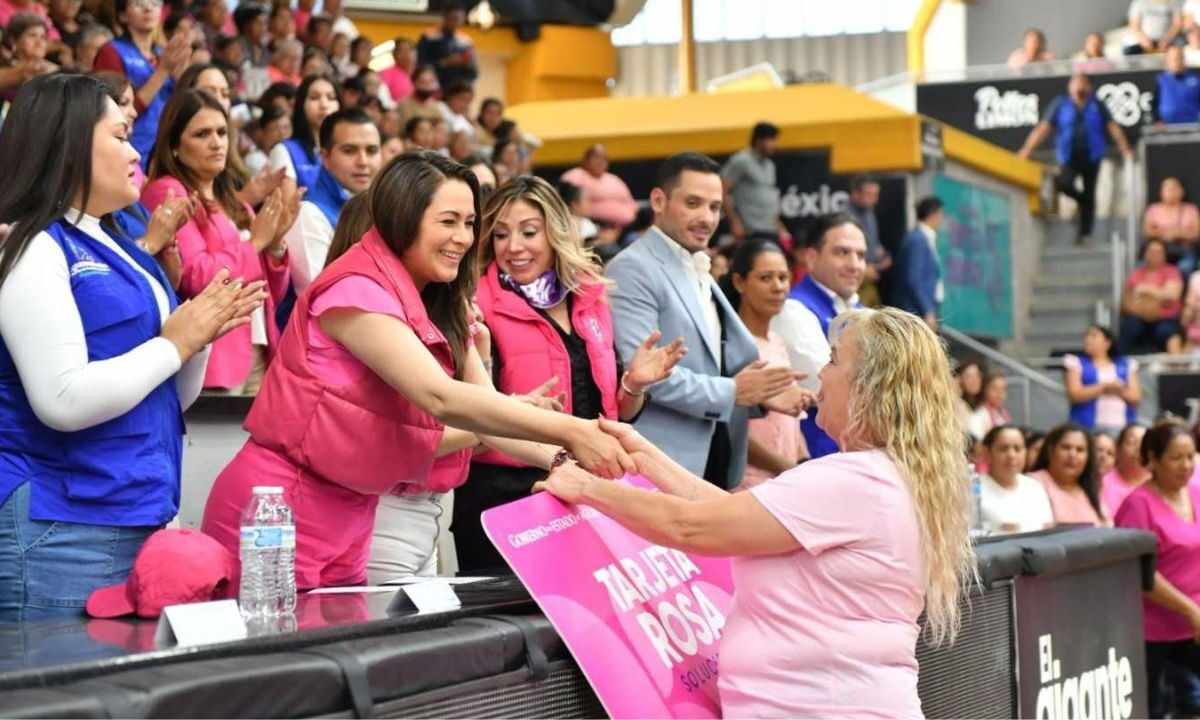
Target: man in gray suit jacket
{"type": "Point", "coordinates": [699, 414]}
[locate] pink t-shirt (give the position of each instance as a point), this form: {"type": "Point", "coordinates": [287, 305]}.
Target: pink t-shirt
{"type": "Point", "coordinates": [777, 431]}
{"type": "Point", "coordinates": [612, 202]}
{"type": "Point", "coordinates": [829, 630]}
{"type": "Point", "coordinates": [1113, 491]}
{"type": "Point", "coordinates": [1110, 409]}
{"type": "Point", "coordinates": [1170, 221]}
{"type": "Point", "coordinates": [1178, 555]}
{"type": "Point", "coordinates": [399, 83]}
{"type": "Point", "coordinates": [1159, 279]}
{"type": "Point", "coordinates": [9, 8]}
{"type": "Point", "coordinates": [1068, 508]}
{"type": "Point", "coordinates": [329, 359]}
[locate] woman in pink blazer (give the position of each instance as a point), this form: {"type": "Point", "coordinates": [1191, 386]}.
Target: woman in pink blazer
{"type": "Point", "coordinates": [191, 157]}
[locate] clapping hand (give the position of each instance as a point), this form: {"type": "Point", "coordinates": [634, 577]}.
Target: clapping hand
{"type": "Point", "coordinates": [219, 308]}
{"type": "Point", "coordinates": [165, 221]}
{"type": "Point", "coordinates": [652, 364]}
{"type": "Point", "coordinates": [264, 230]}
{"type": "Point", "coordinates": [261, 185]}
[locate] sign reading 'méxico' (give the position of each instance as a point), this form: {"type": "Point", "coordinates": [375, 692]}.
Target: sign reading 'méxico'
{"type": "Point", "coordinates": [644, 622]}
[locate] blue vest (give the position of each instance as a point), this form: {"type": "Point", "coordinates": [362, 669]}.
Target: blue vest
{"type": "Point", "coordinates": [329, 197]}
{"type": "Point", "coordinates": [1064, 124]}
{"type": "Point", "coordinates": [125, 471]}
{"type": "Point", "coordinates": [307, 166]}
{"type": "Point", "coordinates": [138, 69]}
{"type": "Point", "coordinates": [1178, 98]}
{"type": "Point", "coordinates": [133, 221]}
{"type": "Point", "coordinates": [820, 304]}
{"type": "Point", "coordinates": [1084, 413]}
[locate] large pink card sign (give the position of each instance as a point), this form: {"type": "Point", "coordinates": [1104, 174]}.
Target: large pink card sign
{"type": "Point", "coordinates": [644, 622]}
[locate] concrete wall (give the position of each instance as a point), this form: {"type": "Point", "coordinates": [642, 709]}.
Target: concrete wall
{"type": "Point", "coordinates": [995, 27]}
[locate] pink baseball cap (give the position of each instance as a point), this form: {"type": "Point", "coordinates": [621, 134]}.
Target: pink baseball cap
{"type": "Point", "coordinates": [174, 567]}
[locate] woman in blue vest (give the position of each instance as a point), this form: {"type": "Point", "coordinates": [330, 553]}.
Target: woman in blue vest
{"type": "Point", "coordinates": [151, 68]}
{"type": "Point", "coordinates": [154, 233]}
{"type": "Point", "coordinates": [1103, 390]}
{"type": "Point", "coordinates": [316, 99]}
{"type": "Point", "coordinates": [97, 359]}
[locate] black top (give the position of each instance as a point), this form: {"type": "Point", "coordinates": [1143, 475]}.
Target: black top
{"type": "Point", "coordinates": [585, 396]}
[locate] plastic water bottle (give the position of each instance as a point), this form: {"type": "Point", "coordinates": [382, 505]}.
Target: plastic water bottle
{"type": "Point", "coordinates": [975, 512]}
{"type": "Point", "coordinates": [268, 555]}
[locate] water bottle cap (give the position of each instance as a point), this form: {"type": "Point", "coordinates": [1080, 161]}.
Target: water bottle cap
{"type": "Point", "coordinates": [267, 490]}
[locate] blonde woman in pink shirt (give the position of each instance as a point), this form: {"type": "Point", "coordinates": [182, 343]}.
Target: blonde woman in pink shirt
{"type": "Point", "coordinates": [1066, 467]}
{"type": "Point", "coordinates": [834, 560]}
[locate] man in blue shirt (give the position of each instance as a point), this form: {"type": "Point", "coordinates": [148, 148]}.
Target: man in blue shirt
{"type": "Point", "coordinates": [1178, 91]}
{"type": "Point", "coordinates": [1082, 127]}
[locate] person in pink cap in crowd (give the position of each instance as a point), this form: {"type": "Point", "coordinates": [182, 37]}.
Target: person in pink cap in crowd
{"type": "Point", "coordinates": [1166, 505]}
{"type": "Point", "coordinates": [376, 361]}
{"type": "Point", "coordinates": [833, 561]}
{"type": "Point", "coordinates": [1066, 468]}
{"type": "Point", "coordinates": [1128, 473]}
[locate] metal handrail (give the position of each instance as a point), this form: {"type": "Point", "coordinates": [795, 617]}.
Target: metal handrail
{"type": "Point", "coordinates": [995, 357]}
{"type": "Point", "coordinates": [1053, 68]}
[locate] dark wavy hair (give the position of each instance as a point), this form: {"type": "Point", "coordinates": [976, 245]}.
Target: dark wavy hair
{"type": "Point", "coordinates": [46, 156]}
{"type": "Point", "coordinates": [398, 200]}
{"type": "Point", "coordinates": [1088, 480]}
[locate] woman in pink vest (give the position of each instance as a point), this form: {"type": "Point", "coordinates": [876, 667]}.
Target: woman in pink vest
{"type": "Point", "coordinates": [191, 159]}
{"type": "Point", "coordinates": [544, 300]}
{"type": "Point", "coordinates": [376, 360]}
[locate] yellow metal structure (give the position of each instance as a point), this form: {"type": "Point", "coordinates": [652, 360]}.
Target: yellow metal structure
{"type": "Point", "coordinates": [916, 36]}
{"type": "Point", "coordinates": [564, 63]}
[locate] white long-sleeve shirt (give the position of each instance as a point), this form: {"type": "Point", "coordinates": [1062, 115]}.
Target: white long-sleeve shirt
{"type": "Point", "coordinates": [42, 329]}
{"type": "Point", "coordinates": [808, 348]}
{"type": "Point", "coordinates": [308, 241]}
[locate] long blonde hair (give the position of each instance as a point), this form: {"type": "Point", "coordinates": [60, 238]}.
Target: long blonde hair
{"type": "Point", "coordinates": [576, 264]}
{"type": "Point", "coordinates": [903, 400]}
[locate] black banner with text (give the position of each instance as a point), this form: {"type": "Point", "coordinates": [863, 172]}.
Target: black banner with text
{"type": "Point", "coordinates": [1004, 111]}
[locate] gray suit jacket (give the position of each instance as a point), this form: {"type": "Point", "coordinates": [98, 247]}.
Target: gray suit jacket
{"type": "Point", "coordinates": [653, 292]}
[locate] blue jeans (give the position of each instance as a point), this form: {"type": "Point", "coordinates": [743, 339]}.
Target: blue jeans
{"type": "Point", "coordinates": [48, 569]}
{"type": "Point", "coordinates": [1138, 335]}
